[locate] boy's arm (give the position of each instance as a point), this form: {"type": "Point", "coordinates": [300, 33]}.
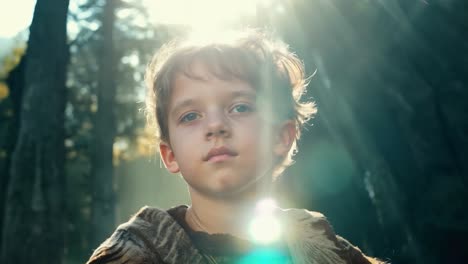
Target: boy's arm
{"type": "Point", "coordinates": [124, 247]}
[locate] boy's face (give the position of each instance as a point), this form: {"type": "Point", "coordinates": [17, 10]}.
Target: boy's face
{"type": "Point", "coordinates": [219, 141]}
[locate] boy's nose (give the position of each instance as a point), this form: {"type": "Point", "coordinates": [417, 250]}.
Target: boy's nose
{"type": "Point", "coordinates": [217, 127]}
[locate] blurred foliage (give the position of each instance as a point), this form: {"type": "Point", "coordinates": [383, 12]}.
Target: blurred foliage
{"type": "Point", "coordinates": [11, 60]}
{"type": "Point", "coordinates": [135, 41]}
{"type": "Point", "coordinates": [7, 65]}
{"type": "Point", "coordinates": [4, 91]}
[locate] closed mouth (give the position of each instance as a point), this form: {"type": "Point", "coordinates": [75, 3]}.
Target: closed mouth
{"type": "Point", "coordinates": [219, 153]}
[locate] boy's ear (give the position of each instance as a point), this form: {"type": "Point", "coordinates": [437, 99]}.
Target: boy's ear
{"type": "Point", "coordinates": [167, 155]}
{"type": "Point", "coordinates": [284, 138]}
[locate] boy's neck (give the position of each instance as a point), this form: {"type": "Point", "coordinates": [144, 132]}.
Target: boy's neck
{"type": "Point", "coordinates": [220, 216]}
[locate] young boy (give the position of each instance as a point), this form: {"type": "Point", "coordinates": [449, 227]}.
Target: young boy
{"type": "Point", "coordinates": [228, 115]}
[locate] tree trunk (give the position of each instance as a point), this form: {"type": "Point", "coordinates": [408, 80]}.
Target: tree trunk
{"type": "Point", "coordinates": [33, 230]}
{"type": "Point", "coordinates": [103, 205]}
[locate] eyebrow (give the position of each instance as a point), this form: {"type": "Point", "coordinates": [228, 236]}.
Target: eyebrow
{"type": "Point", "coordinates": [248, 94]}
{"type": "Point", "coordinates": [181, 105]}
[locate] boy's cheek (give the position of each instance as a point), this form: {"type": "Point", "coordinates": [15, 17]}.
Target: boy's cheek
{"type": "Point", "coordinates": [183, 132]}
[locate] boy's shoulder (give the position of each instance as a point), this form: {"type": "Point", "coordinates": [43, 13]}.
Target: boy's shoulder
{"type": "Point", "coordinates": [303, 220]}
{"type": "Point", "coordinates": [310, 236]}
{"type": "Point", "coordinates": [150, 236]}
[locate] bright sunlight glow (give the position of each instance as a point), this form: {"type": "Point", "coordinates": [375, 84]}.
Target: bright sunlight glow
{"type": "Point", "coordinates": [15, 16]}
{"type": "Point", "coordinates": [201, 14]}
{"type": "Point", "coordinates": [265, 227]}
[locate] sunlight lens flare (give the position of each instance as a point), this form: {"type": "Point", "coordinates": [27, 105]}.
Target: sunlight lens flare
{"type": "Point", "coordinates": [265, 228]}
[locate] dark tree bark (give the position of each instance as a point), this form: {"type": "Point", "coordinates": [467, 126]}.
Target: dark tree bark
{"type": "Point", "coordinates": [33, 230]}
{"type": "Point", "coordinates": [103, 205]}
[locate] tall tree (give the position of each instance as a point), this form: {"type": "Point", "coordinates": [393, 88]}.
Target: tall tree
{"type": "Point", "coordinates": [103, 206]}
{"type": "Point", "coordinates": [33, 230]}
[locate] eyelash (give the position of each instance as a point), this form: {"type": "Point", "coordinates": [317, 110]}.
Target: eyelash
{"type": "Point", "coordinates": [249, 108]}
{"type": "Point", "coordinates": [184, 117]}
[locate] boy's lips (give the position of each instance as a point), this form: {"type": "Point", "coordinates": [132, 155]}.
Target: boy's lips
{"type": "Point", "coordinates": [219, 154]}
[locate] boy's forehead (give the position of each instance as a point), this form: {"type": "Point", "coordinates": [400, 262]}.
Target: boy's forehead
{"type": "Point", "coordinates": [187, 86]}
{"type": "Point", "coordinates": [200, 70]}
{"type": "Point", "coordinates": [184, 86]}
{"type": "Point", "coordinates": [206, 66]}
{"type": "Point", "coordinates": [198, 73]}
{"type": "Point", "coordinates": [197, 70]}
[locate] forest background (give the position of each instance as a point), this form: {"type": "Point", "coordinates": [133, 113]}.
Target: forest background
{"type": "Point", "coordinates": [384, 159]}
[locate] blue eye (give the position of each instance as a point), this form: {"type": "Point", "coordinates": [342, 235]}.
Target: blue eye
{"type": "Point", "coordinates": [242, 108]}
{"type": "Point", "coordinates": [189, 117]}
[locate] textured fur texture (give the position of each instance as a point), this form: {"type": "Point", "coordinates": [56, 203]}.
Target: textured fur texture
{"type": "Point", "coordinates": [153, 236]}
